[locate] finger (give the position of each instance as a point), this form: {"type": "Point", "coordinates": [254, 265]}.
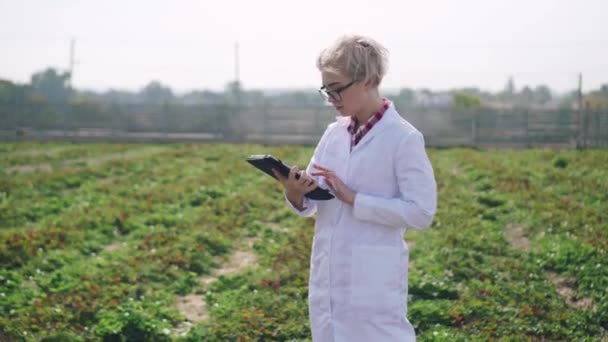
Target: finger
{"type": "Point", "coordinates": [292, 173]}
{"type": "Point", "coordinates": [303, 178]}
{"type": "Point", "coordinates": [310, 177]}
{"type": "Point", "coordinates": [331, 184]}
{"type": "Point", "coordinates": [329, 177]}
{"type": "Point", "coordinates": [310, 187]}
{"type": "Point", "coordinates": [279, 176]}
{"type": "Point", "coordinates": [312, 183]}
{"type": "Point", "coordinates": [321, 167]}
{"type": "Point", "coordinates": [324, 173]}
{"type": "Point", "coordinates": [304, 175]}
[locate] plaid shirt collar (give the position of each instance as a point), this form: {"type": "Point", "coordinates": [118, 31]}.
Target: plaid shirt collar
{"type": "Point", "coordinates": [362, 130]}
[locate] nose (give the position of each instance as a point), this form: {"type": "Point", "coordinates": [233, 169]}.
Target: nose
{"type": "Point", "coordinates": [332, 100]}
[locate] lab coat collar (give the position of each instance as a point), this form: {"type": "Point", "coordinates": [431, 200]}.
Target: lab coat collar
{"type": "Point", "coordinates": [389, 119]}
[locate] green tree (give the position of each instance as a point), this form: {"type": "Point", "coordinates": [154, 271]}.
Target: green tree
{"type": "Point", "coordinates": [568, 101]}
{"type": "Point", "coordinates": [526, 96]}
{"type": "Point", "coordinates": [597, 99]}
{"type": "Point", "coordinates": [7, 92]}
{"type": "Point", "coordinates": [52, 85]}
{"type": "Point", "coordinates": [156, 93]}
{"type": "Point", "coordinates": [406, 96]}
{"type": "Point", "coordinates": [542, 94]}
{"type": "Point", "coordinates": [464, 99]}
{"type": "Point", "coordinates": [508, 94]}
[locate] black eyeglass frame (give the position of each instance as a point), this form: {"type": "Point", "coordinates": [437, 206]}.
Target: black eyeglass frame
{"type": "Point", "coordinates": [334, 94]}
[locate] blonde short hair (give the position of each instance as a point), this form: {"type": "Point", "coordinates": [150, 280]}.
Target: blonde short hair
{"type": "Point", "coordinates": [358, 57]}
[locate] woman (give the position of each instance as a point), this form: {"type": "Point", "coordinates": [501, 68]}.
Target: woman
{"type": "Point", "coordinates": [375, 163]}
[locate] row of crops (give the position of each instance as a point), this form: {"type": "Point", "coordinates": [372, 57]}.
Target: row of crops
{"type": "Point", "coordinates": [102, 241]}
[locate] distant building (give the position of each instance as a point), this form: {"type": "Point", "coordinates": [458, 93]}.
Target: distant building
{"type": "Point", "coordinates": [436, 100]}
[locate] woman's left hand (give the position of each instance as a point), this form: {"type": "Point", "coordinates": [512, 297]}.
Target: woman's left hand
{"type": "Point", "coordinates": [338, 187]}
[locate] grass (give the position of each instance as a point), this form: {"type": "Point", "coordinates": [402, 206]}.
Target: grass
{"type": "Point", "coordinates": [99, 247]}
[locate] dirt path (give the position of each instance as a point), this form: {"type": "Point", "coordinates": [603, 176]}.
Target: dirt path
{"type": "Point", "coordinates": [564, 286]}
{"type": "Point", "coordinates": [193, 306]}
{"type": "Point", "coordinates": [515, 235]}
{"type": "Point", "coordinates": [114, 246]}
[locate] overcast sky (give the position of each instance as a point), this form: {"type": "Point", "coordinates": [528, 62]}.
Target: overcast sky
{"type": "Point", "coordinates": [190, 44]}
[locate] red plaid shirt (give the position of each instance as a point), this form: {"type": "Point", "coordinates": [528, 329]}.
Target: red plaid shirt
{"type": "Point", "coordinates": [363, 129]}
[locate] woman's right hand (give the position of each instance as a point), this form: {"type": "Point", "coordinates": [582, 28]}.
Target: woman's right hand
{"type": "Point", "coordinates": [295, 189]}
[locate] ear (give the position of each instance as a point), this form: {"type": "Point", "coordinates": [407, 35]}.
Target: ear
{"type": "Point", "coordinates": [369, 84]}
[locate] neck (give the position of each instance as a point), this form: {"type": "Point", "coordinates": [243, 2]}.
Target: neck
{"type": "Point", "coordinates": [369, 109]}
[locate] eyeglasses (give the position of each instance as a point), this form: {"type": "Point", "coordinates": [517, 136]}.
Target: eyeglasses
{"type": "Point", "coordinates": [334, 94]}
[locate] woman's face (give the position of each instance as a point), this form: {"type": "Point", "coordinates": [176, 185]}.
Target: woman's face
{"type": "Point", "coordinates": [348, 96]}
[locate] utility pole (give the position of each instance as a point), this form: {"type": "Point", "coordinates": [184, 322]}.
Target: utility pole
{"type": "Point", "coordinates": [71, 62]}
{"type": "Point", "coordinates": [236, 62]}
{"type": "Point", "coordinates": [580, 141]}
{"type": "Point", "coordinates": [232, 126]}
{"type": "Point", "coordinates": [66, 109]}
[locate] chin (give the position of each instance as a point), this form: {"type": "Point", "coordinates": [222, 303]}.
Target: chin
{"type": "Point", "coordinates": [341, 111]}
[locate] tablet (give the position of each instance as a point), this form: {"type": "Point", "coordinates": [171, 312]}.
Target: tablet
{"type": "Point", "coordinates": [266, 162]}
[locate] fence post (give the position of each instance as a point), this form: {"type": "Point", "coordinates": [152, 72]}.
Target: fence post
{"type": "Point", "coordinates": [604, 136]}
{"type": "Point", "coordinates": [579, 112]}
{"type": "Point", "coordinates": [66, 120]}
{"type": "Point", "coordinates": [266, 124]}
{"type": "Point", "coordinates": [113, 118]}
{"type": "Point", "coordinates": [165, 120]}
{"type": "Point", "coordinates": [475, 113]}
{"type": "Point", "coordinates": [584, 122]}
{"type": "Point", "coordinates": [597, 128]}
{"type": "Point", "coordinates": [16, 117]}
{"type": "Point", "coordinates": [526, 127]}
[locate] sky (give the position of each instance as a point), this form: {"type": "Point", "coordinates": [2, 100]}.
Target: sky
{"type": "Point", "coordinates": [190, 45]}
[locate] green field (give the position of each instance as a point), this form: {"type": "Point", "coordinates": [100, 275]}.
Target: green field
{"type": "Point", "coordinates": [132, 242]}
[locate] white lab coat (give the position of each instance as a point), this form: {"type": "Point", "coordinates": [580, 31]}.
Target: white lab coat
{"type": "Point", "coordinates": [359, 262]}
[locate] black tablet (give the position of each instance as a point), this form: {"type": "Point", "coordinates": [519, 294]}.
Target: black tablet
{"type": "Point", "coordinates": [267, 162]}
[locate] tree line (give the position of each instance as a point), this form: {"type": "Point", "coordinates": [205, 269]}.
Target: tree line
{"type": "Point", "coordinates": [52, 87]}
